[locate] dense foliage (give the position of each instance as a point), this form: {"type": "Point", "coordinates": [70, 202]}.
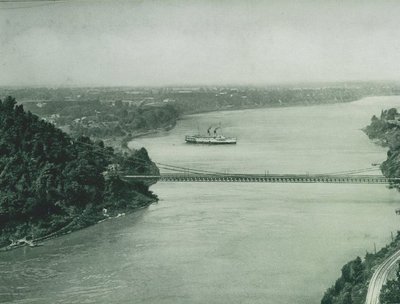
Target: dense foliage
{"type": "Point", "coordinates": [49, 180]}
{"type": "Point", "coordinates": [105, 119]}
{"type": "Point", "coordinates": [386, 131]}
{"type": "Point", "coordinates": [347, 287]}
{"type": "Point", "coordinates": [390, 293]}
{"type": "Point", "coordinates": [352, 286]}
{"type": "Point", "coordinates": [242, 98]}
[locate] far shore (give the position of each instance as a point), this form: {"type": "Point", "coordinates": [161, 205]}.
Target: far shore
{"type": "Point", "coordinates": [117, 142]}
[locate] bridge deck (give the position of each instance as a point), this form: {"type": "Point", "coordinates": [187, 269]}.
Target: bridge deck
{"type": "Point", "coordinates": [254, 178]}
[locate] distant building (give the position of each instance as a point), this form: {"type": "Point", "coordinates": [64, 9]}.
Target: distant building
{"type": "Point", "coordinates": [168, 100]}
{"type": "Point", "coordinates": [41, 104]}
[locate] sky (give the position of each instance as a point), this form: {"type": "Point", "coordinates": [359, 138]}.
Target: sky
{"type": "Point", "coordinates": [184, 42]}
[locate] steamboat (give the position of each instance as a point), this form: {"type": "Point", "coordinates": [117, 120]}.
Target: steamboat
{"type": "Point", "coordinates": [211, 138]}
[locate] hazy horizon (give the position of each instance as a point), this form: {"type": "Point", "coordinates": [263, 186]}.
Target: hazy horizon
{"type": "Point", "coordinates": [309, 84]}
{"type": "Point", "coordinates": [197, 43]}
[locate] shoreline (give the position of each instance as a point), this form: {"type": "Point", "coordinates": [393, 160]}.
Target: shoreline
{"type": "Point", "coordinates": [371, 260]}
{"type": "Point", "coordinates": [120, 144]}
{"type": "Point", "coordinates": [356, 290]}
{"type": "Point", "coordinates": [230, 109]}
{"type": "Point", "coordinates": [40, 241]}
{"type": "Point", "coordinates": [122, 223]}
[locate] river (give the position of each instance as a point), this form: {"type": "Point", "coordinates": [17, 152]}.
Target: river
{"type": "Point", "coordinates": [227, 242]}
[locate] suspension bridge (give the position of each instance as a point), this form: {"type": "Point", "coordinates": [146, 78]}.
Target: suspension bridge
{"type": "Point", "coordinates": [258, 178]}
{"type": "Point", "coordinates": [173, 173]}
{"type": "Point", "coordinates": [183, 174]}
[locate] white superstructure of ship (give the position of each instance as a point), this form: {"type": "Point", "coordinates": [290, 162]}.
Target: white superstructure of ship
{"type": "Point", "coordinates": [211, 138]}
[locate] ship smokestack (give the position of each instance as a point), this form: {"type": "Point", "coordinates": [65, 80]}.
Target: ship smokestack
{"type": "Point", "coordinates": [208, 130]}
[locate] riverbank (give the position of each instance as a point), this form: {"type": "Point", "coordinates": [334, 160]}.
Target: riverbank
{"type": "Point", "coordinates": [53, 184]}
{"type": "Point", "coordinates": [278, 141]}
{"type": "Point", "coordinates": [286, 241]}
{"type": "Point", "coordinates": [383, 131]}
{"type": "Point", "coordinates": [116, 115]}
{"type": "Point", "coordinates": [352, 285]}
{"type": "Point", "coordinates": [76, 224]}
{"type": "Point", "coordinates": [233, 108]}
{"type": "Point", "coordinates": [121, 143]}
{"type": "Point", "coordinates": [34, 236]}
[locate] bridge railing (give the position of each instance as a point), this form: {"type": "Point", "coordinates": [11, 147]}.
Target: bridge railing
{"type": "Point", "coordinates": [277, 178]}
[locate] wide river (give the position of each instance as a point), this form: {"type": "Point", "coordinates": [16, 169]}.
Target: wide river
{"type": "Point", "coordinates": [227, 242]}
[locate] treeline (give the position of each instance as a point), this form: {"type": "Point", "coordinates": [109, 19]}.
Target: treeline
{"type": "Point", "coordinates": [390, 293]}
{"type": "Point", "coordinates": [123, 113]}
{"type": "Point", "coordinates": [49, 180]}
{"type": "Point", "coordinates": [352, 286]}
{"type": "Point", "coordinates": [200, 101]}
{"type": "Point", "coordinates": [105, 119]}
{"type": "Point", "coordinates": [209, 94]}
{"type": "Point", "coordinates": [121, 120]}
{"type": "Point", "coordinates": [385, 130]}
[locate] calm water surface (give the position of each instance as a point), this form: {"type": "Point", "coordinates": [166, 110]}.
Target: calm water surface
{"type": "Point", "coordinates": [227, 243]}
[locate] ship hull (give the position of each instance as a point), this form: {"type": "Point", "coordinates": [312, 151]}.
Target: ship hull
{"type": "Point", "coordinates": [219, 140]}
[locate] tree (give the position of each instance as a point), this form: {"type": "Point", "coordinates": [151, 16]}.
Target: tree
{"type": "Point", "coordinates": [47, 178]}
{"type": "Point", "coordinates": [390, 292]}
{"type": "Point", "coordinates": [347, 298]}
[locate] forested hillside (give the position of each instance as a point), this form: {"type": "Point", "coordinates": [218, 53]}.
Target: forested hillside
{"type": "Point", "coordinates": [105, 119]}
{"type": "Point", "coordinates": [352, 286]}
{"type": "Point", "coordinates": [49, 181]}
{"type": "Point", "coordinates": [385, 130]}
